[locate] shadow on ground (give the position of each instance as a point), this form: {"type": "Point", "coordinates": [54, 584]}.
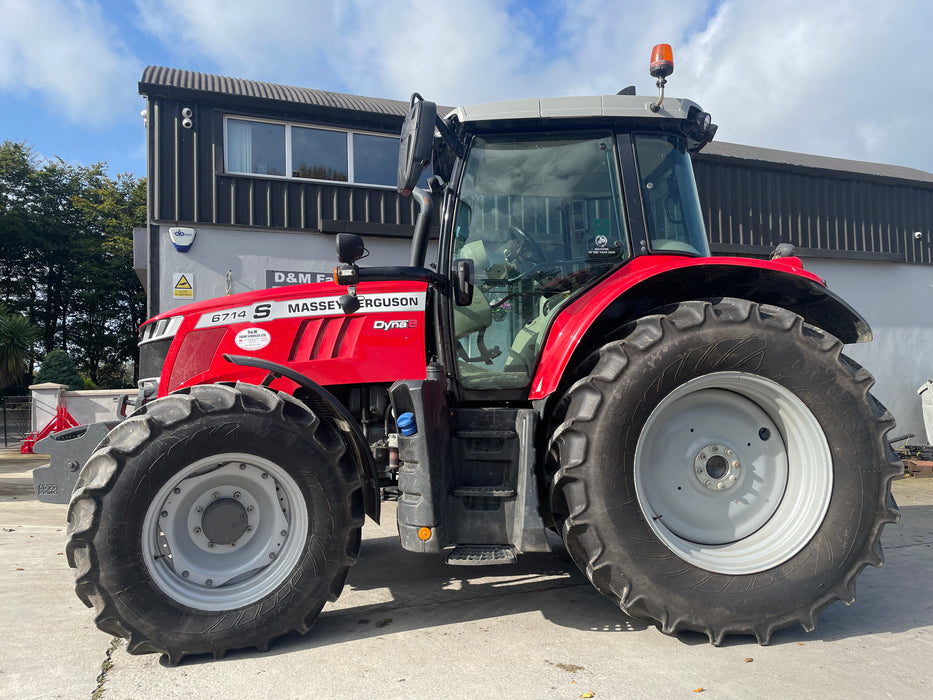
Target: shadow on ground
{"type": "Point", "coordinates": [420, 592]}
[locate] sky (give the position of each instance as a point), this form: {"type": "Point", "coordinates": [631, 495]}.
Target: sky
{"type": "Point", "coordinates": [842, 78]}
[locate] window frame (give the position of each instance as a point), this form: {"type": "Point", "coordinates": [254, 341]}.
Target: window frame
{"type": "Point", "coordinates": [349, 133]}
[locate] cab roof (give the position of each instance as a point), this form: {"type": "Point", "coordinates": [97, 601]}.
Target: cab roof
{"type": "Point", "coordinates": [631, 106]}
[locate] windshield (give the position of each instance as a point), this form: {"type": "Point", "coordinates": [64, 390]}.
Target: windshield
{"type": "Point", "coordinates": [669, 193]}
{"type": "Point", "coordinates": [540, 216]}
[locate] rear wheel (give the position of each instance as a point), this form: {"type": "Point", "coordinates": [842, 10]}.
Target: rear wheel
{"type": "Point", "coordinates": [724, 469]}
{"type": "Point", "coordinates": [214, 520]}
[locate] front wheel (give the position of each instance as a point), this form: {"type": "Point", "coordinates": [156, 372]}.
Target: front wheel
{"type": "Point", "coordinates": [214, 520]}
{"type": "Point", "coordinates": [724, 469]}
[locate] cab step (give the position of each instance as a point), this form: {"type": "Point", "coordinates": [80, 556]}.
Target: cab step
{"type": "Point", "coordinates": [481, 555]}
{"type": "Point", "coordinates": [483, 492]}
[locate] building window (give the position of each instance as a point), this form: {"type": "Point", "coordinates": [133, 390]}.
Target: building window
{"type": "Point", "coordinates": [375, 159]}
{"type": "Point", "coordinates": [256, 147]}
{"type": "Point", "coordinates": [320, 154]}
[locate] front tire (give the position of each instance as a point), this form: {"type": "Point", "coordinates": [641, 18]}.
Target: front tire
{"type": "Point", "coordinates": [724, 469]}
{"type": "Point", "coordinates": [216, 519]}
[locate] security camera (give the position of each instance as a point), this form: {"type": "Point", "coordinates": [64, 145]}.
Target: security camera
{"type": "Point", "coordinates": [918, 235]}
{"type": "Point", "coordinates": [187, 113]}
{"type": "Point", "coordinates": [187, 123]}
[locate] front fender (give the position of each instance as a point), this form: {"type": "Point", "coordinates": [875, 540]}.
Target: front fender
{"type": "Point", "coordinates": [338, 415]}
{"type": "Point", "coordinates": [651, 282]}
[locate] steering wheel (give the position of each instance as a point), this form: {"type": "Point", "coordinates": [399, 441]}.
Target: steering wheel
{"type": "Point", "coordinates": [526, 246]}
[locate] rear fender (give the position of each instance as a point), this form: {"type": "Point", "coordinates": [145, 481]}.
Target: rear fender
{"type": "Point", "coordinates": [652, 282]}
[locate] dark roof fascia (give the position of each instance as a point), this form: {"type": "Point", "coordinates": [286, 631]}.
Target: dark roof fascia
{"type": "Point", "coordinates": [839, 168]}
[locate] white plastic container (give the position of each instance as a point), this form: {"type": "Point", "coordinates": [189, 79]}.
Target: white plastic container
{"type": "Point", "coordinates": [926, 400]}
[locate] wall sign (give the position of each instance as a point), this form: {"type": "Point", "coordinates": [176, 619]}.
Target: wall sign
{"type": "Point", "coordinates": [182, 285]}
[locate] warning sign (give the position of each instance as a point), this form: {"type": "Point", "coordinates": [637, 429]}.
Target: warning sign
{"type": "Point", "coordinates": [183, 285]}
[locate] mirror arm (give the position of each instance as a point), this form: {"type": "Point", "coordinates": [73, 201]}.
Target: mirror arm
{"type": "Point", "coordinates": [419, 239]}
{"type": "Point", "coordinates": [452, 142]}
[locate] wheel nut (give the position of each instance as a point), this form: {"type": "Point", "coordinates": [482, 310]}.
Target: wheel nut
{"type": "Point", "coordinates": [283, 533]}
{"type": "Point", "coordinates": [699, 470]}
{"type": "Point", "coordinates": [242, 466]}
{"type": "Point", "coordinates": [272, 555]}
{"type": "Point", "coordinates": [265, 476]}
{"type": "Point", "coordinates": [176, 490]}
{"type": "Point", "coordinates": [215, 495]}
{"type": "Point", "coordinates": [209, 582]}
{"type": "Point", "coordinates": [720, 486]}
{"type": "Point", "coordinates": [164, 514]}
{"type": "Point", "coordinates": [736, 464]}
{"type": "Point", "coordinates": [249, 528]}
{"type": "Point", "coordinates": [198, 509]}
{"type": "Point", "coordinates": [210, 544]}
{"type": "Point", "coordinates": [249, 509]}
{"type": "Point", "coordinates": [197, 531]}
{"type": "Point", "coordinates": [184, 574]}
{"type": "Point", "coordinates": [702, 455]}
{"type": "Point", "coordinates": [714, 449]}
{"type": "Point", "coordinates": [236, 494]}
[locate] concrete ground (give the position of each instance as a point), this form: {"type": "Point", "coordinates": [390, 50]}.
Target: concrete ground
{"type": "Point", "coordinates": [409, 626]}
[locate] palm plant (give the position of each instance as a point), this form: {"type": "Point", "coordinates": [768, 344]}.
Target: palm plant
{"type": "Point", "coordinates": [17, 336]}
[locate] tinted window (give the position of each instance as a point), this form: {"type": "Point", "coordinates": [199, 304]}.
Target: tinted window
{"type": "Point", "coordinates": [319, 154]}
{"type": "Point", "coordinates": [375, 159]}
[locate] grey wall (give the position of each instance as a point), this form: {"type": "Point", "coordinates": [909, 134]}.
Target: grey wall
{"type": "Point", "coordinates": [897, 301]}
{"type": "Point", "coordinates": [249, 253]}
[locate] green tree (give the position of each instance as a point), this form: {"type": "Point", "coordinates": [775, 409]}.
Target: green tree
{"type": "Point", "coordinates": [111, 209]}
{"type": "Point", "coordinates": [66, 258]}
{"type": "Point", "coordinates": [17, 338]}
{"type": "Point", "coordinates": [59, 368]}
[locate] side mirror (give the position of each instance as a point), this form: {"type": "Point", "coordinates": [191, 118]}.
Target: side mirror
{"type": "Point", "coordinates": [415, 143]}
{"type": "Point", "coordinates": [463, 281]}
{"type": "Point", "coordinates": [350, 247]}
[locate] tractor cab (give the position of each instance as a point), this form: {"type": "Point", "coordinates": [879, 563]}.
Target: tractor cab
{"type": "Point", "coordinates": [542, 198]}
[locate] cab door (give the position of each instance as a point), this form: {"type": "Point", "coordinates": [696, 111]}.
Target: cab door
{"type": "Point", "coordinates": [541, 217]}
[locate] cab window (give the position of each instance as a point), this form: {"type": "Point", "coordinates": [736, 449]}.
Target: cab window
{"type": "Point", "coordinates": [540, 217]}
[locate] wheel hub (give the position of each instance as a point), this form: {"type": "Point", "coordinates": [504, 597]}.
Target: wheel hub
{"type": "Point", "coordinates": [717, 467]}
{"type": "Point", "coordinates": [224, 521]}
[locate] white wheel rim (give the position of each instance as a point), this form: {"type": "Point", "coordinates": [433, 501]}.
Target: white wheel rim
{"type": "Point", "coordinates": [733, 473]}
{"type": "Point", "coordinates": [224, 532]}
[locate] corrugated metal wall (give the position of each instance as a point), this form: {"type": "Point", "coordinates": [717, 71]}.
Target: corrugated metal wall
{"type": "Point", "coordinates": [757, 207]}
{"type": "Point", "coordinates": [188, 185]}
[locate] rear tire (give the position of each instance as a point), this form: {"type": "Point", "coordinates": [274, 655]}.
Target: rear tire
{"type": "Point", "coordinates": [724, 469]}
{"type": "Point", "coordinates": [216, 519]}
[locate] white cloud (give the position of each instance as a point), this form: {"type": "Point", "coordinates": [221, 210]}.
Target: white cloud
{"type": "Point", "coordinates": [845, 78]}
{"type": "Point", "coordinates": [68, 53]}
{"type": "Point", "coordinates": [829, 78]}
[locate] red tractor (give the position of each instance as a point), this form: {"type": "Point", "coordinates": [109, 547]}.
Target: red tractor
{"type": "Point", "coordinates": [575, 361]}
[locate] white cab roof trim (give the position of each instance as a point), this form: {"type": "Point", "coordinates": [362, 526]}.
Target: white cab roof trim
{"type": "Point", "coordinates": [575, 107]}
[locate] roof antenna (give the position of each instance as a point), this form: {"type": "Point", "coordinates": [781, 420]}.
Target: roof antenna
{"type": "Point", "coordinates": [662, 65]}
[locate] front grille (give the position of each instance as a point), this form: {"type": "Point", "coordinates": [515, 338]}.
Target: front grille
{"type": "Point", "coordinates": [152, 357]}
